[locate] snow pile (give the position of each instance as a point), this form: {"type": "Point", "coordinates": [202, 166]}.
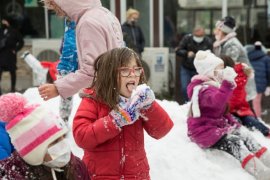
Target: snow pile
{"type": "Point", "coordinates": [173, 157]}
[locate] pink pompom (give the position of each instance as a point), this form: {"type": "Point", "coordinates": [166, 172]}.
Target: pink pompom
{"type": "Point", "coordinates": [11, 105]}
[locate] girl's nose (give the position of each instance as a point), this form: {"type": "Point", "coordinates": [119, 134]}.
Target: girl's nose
{"type": "Point", "coordinates": [132, 72]}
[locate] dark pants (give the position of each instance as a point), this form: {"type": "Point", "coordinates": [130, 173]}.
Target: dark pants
{"type": "Point", "coordinates": [185, 78]}
{"type": "Point", "coordinates": [252, 122]}
{"type": "Point", "coordinates": [13, 79]}
{"type": "Point", "coordinates": [239, 144]}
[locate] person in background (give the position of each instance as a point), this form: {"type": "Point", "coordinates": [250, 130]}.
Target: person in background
{"type": "Point", "coordinates": [11, 41]}
{"type": "Point", "coordinates": [68, 64]}
{"type": "Point", "coordinates": [38, 135]}
{"type": "Point", "coordinates": [227, 44]}
{"type": "Point", "coordinates": [97, 31]}
{"type": "Point", "coordinates": [211, 126]}
{"type": "Point", "coordinates": [187, 48]}
{"type": "Point", "coordinates": [111, 119]}
{"type": "Point", "coordinates": [260, 61]}
{"type": "Point", "coordinates": [238, 104]}
{"type": "Point", "coordinates": [133, 35]}
{"type": "Point", "coordinates": [6, 148]}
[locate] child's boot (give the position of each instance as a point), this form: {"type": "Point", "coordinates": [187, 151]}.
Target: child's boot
{"type": "Point", "coordinates": [256, 168]}
{"type": "Point", "coordinates": [264, 155]}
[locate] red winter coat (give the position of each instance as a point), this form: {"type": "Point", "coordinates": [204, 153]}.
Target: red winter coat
{"type": "Point", "coordinates": [238, 103]}
{"type": "Point", "coordinates": [111, 153]}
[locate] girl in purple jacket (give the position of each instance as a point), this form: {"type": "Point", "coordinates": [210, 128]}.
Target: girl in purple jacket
{"type": "Point", "coordinates": [210, 125]}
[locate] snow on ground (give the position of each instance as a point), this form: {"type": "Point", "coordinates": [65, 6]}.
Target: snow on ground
{"type": "Point", "coordinates": [173, 157]}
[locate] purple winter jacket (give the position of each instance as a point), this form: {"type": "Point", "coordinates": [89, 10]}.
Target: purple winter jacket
{"type": "Point", "coordinates": [15, 167]}
{"type": "Point", "coordinates": [212, 125]}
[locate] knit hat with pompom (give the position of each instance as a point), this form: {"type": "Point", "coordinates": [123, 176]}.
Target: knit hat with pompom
{"type": "Point", "coordinates": [11, 105]}
{"type": "Point", "coordinates": [205, 63]}
{"type": "Point", "coordinates": [226, 25]}
{"type": "Point", "coordinates": [32, 128]}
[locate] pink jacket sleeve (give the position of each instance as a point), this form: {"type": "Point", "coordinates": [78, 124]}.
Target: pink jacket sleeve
{"type": "Point", "coordinates": [91, 42]}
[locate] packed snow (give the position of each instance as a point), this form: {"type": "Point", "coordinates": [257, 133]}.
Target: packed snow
{"type": "Point", "coordinates": [173, 157]}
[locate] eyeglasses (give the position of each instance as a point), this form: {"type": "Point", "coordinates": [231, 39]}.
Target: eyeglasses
{"type": "Point", "coordinates": [125, 71]}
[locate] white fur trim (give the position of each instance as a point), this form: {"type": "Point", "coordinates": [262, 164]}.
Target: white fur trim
{"type": "Point", "coordinates": [195, 101]}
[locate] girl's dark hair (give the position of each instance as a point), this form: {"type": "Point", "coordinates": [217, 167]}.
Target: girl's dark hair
{"type": "Point", "coordinates": [228, 61]}
{"type": "Point", "coordinates": [106, 81]}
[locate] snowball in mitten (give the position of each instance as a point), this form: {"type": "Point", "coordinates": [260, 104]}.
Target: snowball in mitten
{"type": "Point", "coordinates": [229, 74]}
{"type": "Point", "coordinates": [142, 97]}
{"type": "Point", "coordinates": [129, 108]}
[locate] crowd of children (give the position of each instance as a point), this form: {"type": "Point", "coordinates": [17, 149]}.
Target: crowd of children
{"type": "Point", "coordinates": [117, 106]}
{"type": "Point", "coordinates": [109, 126]}
{"type": "Point", "coordinates": [211, 125]}
{"type": "Point", "coordinates": [110, 122]}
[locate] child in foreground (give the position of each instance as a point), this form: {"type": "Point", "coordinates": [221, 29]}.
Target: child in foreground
{"type": "Point", "coordinates": [42, 151]}
{"type": "Point", "coordinates": [110, 121]}
{"type": "Point", "coordinates": [210, 125]}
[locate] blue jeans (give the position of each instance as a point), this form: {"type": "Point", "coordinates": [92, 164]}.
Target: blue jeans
{"type": "Point", "coordinates": [252, 122]}
{"type": "Point", "coordinates": [185, 78]}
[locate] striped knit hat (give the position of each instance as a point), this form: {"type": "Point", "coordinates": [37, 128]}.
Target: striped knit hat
{"type": "Point", "coordinates": [31, 128]}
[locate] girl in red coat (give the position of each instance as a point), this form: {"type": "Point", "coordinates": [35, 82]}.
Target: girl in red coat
{"type": "Point", "coordinates": [110, 121]}
{"type": "Point", "coordinates": [239, 107]}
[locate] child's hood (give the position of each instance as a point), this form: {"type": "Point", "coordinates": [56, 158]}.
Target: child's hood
{"type": "Point", "coordinates": [87, 92]}
{"type": "Point", "coordinates": [256, 55]}
{"type": "Point", "coordinates": [196, 80]}
{"type": "Point", "coordinates": [75, 9]}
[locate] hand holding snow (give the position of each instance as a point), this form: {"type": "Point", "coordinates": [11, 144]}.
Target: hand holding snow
{"type": "Point", "coordinates": [142, 97]}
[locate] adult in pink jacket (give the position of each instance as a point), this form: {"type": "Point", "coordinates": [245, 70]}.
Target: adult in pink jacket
{"type": "Point", "coordinates": [97, 31]}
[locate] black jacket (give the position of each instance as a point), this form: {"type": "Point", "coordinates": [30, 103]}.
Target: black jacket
{"type": "Point", "coordinates": [13, 43]}
{"type": "Point", "coordinates": [188, 44]}
{"type": "Point", "coordinates": [133, 37]}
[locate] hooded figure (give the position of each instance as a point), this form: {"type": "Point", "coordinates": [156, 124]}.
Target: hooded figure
{"type": "Point", "coordinates": [260, 61]}
{"type": "Point", "coordinates": [97, 31]}
{"type": "Point", "coordinates": [227, 44]}
{"type": "Point", "coordinates": [133, 35]}
{"type": "Point", "coordinates": [11, 41]}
